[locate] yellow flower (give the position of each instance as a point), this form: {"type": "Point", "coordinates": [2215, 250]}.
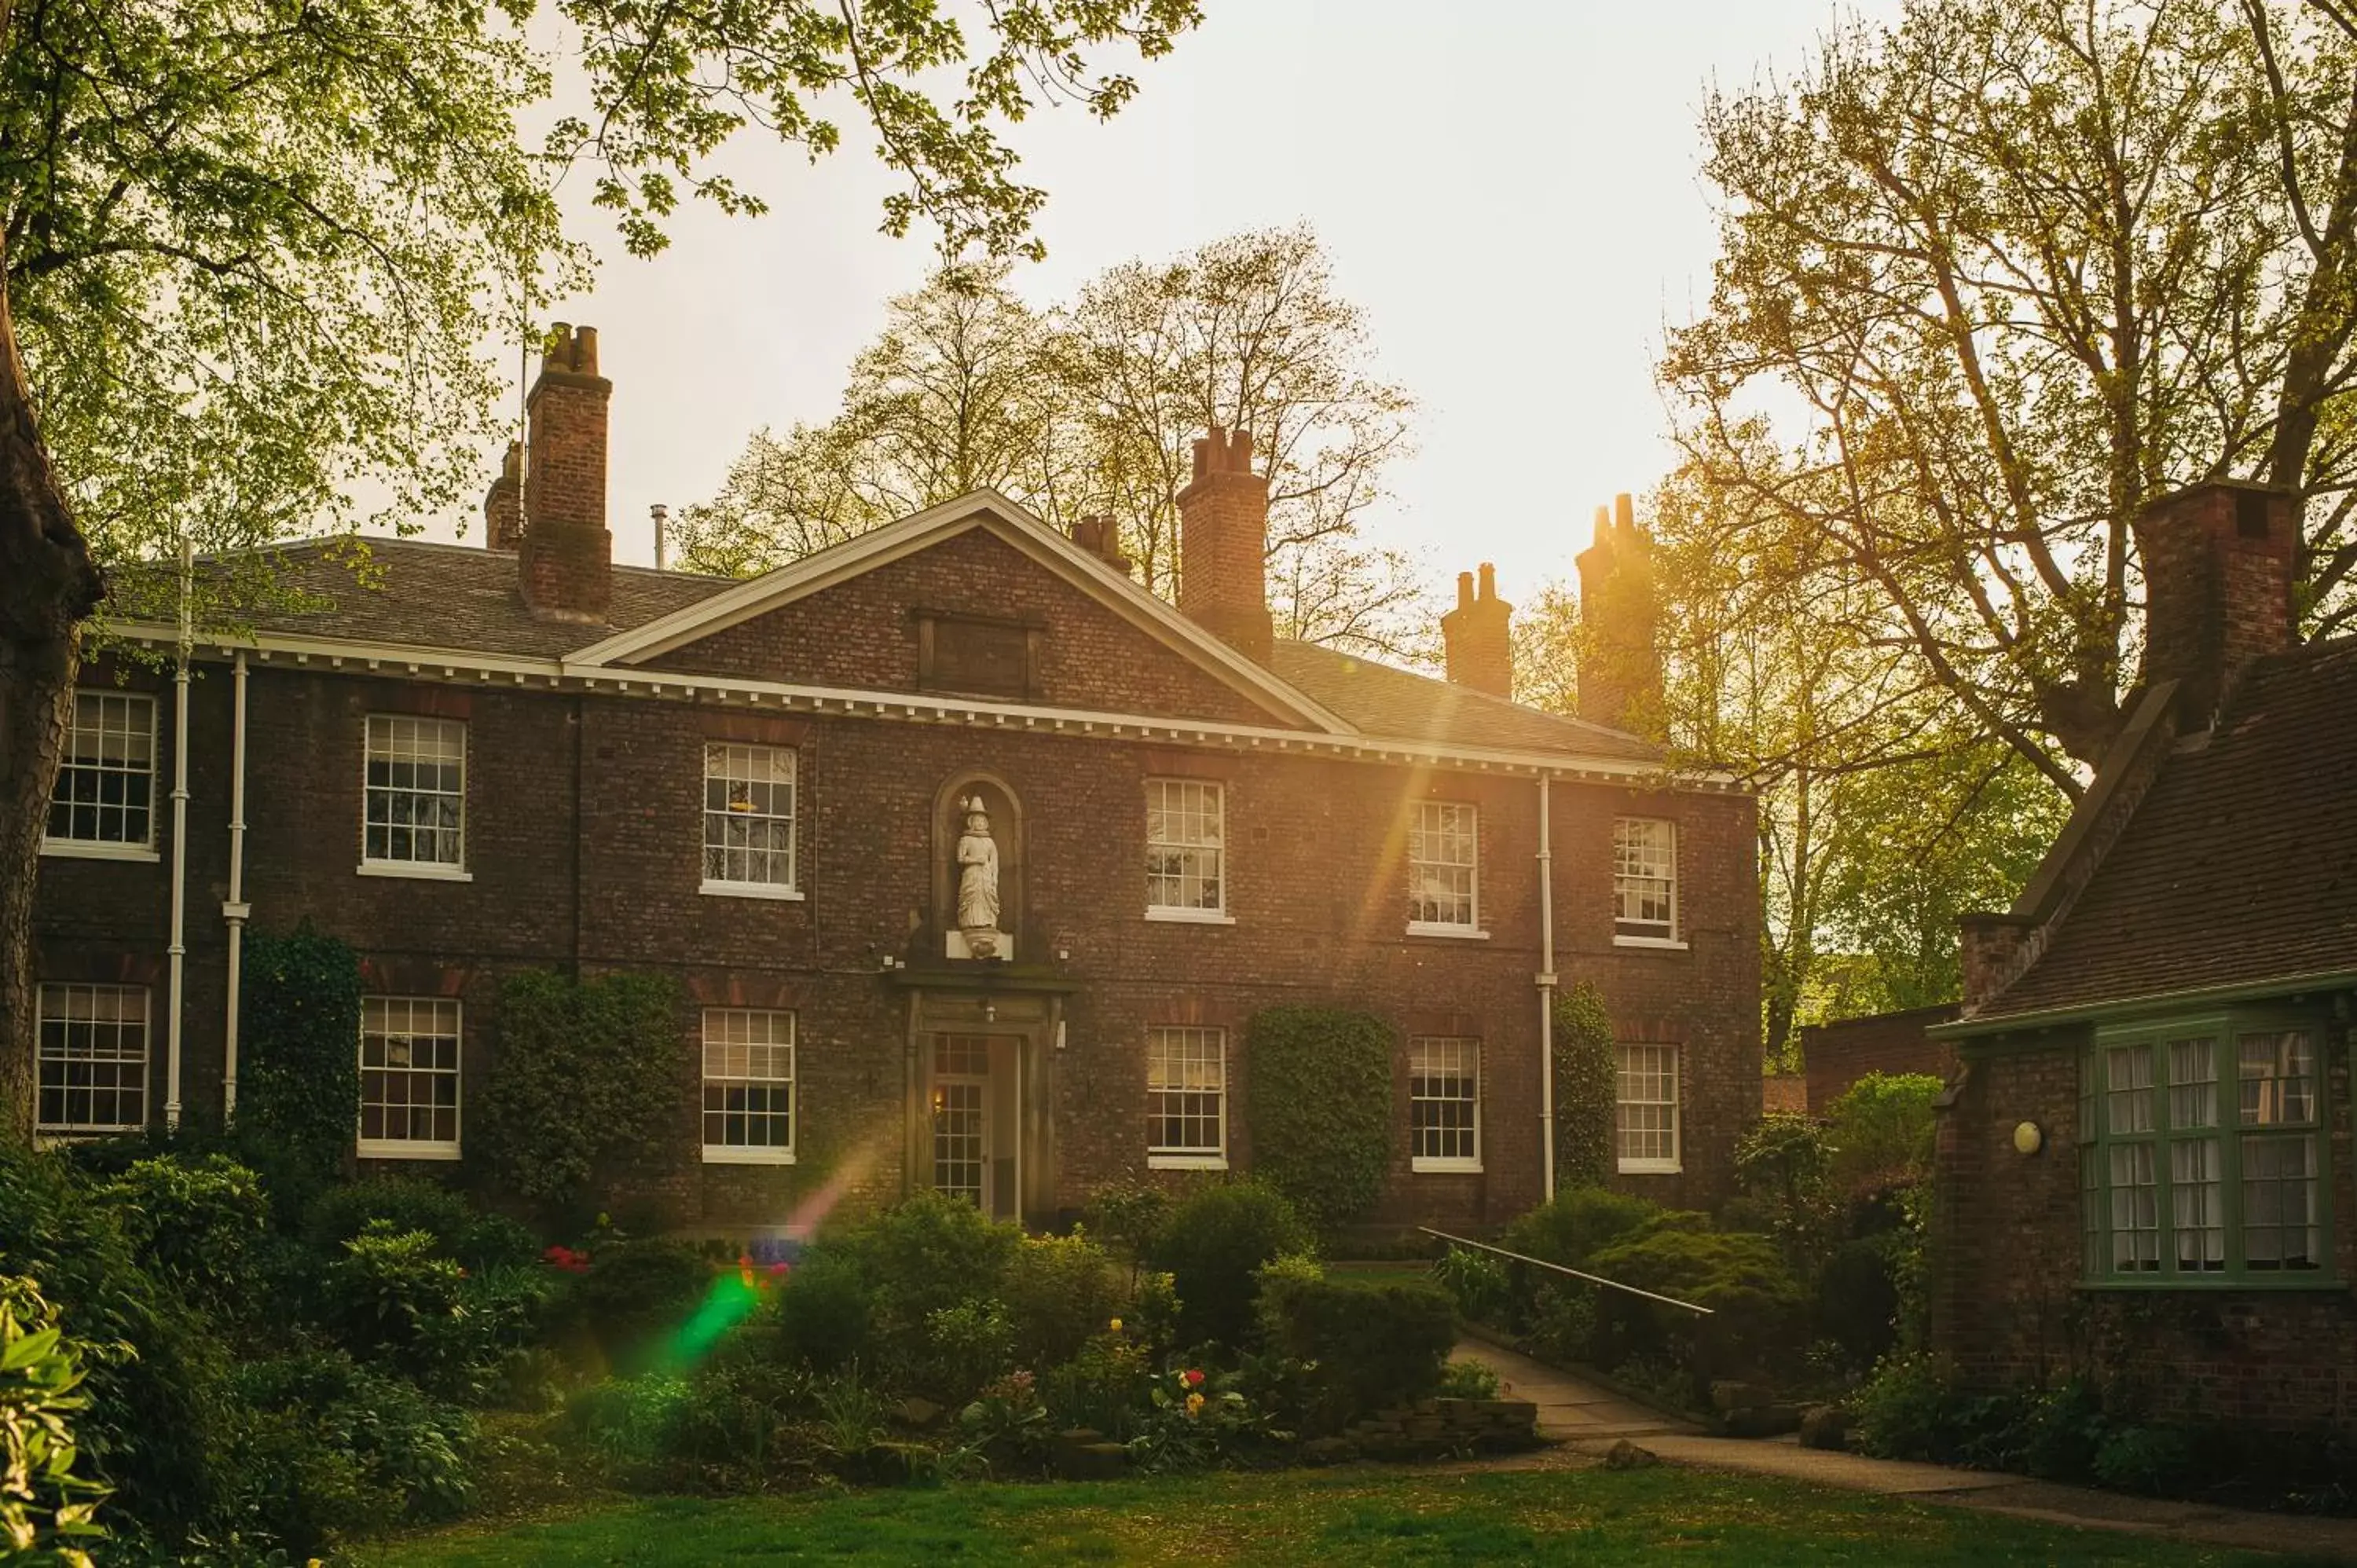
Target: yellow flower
{"type": "Point", "coordinates": [1194, 1406]}
{"type": "Point", "coordinates": [1114, 1326]}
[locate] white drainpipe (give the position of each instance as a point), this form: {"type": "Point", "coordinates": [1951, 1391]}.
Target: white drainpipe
{"type": "Point", "coordinates": [1546, 992]}
{"type": "Point", "coordinates": [180, 948]}
{"type": "Point", "coordinates": [236, 909]}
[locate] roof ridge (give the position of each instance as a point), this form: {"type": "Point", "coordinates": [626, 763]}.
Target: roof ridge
{"type": "Point", "coordinates": [445, 546]}
{"type": "Point", "coordinates": [1473, 693]}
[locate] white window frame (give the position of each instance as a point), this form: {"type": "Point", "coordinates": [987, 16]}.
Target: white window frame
{"type": "Point", "coordinates": [103, 848]}
{"type": "Point", "coordinates": [741, 1021]}
{"type": "Point", "coordinates": [53, 1002]}
{"type": "Point", "coordinates": [1417, 1047]}
{"type": "Point", "coordinates": [1621, 1081]}
{"type": "Point", "coordinates": [1197, 915]}
{"type": "Point", "coordinates": [430, 870]}
{"type": "Point", "coordinates": [1427, 827]}
{"type": "Point", "coordinates": [1672, 933]}
{"type": "Point", "coordinates": [725, 752]}
{"type": "Point", "coordinates": [1158, 1083]}
{"type": "Point", "coordinates": [384, 1147]}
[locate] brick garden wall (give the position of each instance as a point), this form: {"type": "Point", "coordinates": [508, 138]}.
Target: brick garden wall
{"type": "Point", "coordinates": [1837, 1055]}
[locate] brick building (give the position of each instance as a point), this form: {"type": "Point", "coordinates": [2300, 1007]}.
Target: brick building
{"type": "Point", "coordinates": [1834, 1056]}
{"type": "Point", "coordinates": [973, 859]}
{"type": "Point", "coordinates": [2144, 1161]}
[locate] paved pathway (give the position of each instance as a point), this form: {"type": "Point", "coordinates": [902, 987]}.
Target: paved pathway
{"type": "Point", "coordinates": [1590, 1420]}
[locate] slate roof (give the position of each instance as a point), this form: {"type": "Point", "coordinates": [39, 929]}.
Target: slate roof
{"type": "Point", "coordinates": [433, 595]}
{"type": "Point", "coordinates": [2239, 867]}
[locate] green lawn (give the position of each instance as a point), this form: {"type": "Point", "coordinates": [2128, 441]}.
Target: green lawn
{"type": "Point", "coordinates": [1364, 1517]}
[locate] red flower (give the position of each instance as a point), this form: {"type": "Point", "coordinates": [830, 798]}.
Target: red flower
{"type": "Point", "coordinates": [1194, 1377]}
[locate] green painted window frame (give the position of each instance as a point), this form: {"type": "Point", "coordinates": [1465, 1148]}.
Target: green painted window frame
{"type": "Point", "coordinates": [2224, 1031]}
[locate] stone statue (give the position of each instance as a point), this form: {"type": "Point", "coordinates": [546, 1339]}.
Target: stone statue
{"type": "Point", "coordinates": [977, 890]}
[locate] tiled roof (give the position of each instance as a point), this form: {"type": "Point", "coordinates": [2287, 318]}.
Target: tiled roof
{"type": "Point", "coordinates": [2238, 867]}
{"type": "Point", "coordinates": [426, 594]}
{"type": "Point", "coordinates": [433, 595]}
{"type": "Point", "coordinates": [1395, 704]}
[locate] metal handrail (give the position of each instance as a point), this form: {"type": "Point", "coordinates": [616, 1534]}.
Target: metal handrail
{"type": "Point", "coordinates": [1575, 1274]}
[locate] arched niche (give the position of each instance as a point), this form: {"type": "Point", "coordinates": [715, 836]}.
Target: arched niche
{"type": "Point", "coordinates": [1005, 809]}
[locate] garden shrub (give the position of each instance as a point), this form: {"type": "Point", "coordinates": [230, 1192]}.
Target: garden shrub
{"type": "Point", "coordinates": [298, 1092]}
{"type": "Point", "coordinates": [199, 1220]}
{"type": "Point", "coordinates": [1213, 1245]}
{"type": "Point", "coordinates": [1756, 1303]}
{"type": "Point", "coordinates": [1579, 1220]}
{"type": "Point", "coordinates": [1464, 1379]}
{"type": "Point", "coordinates": [962, 1349]}
{"type": "Point", "coordinates": [923, 1256]}
{"type": "Point", "coordinates": [587, 1082]}
{"type": "Point", "coordinates": [151, 1368]}
{"type": "Point", "coordinates": [1856, 1303]}
{"type": "Point", "coordinates": [405, 1203]}
{"type": "Point", "coordinates": [1126, 1214]}
{"type": "Point", "coordinates": [1586, 1071]}
{"type": "Point", "coordinates": [1058, 1290]}
{"type": "Point", "coordinates": [1365, 1346]}
{"type": "Point", "coordinates": [46, 1510]}
{"type": "Point", "coordinates": [1478, 1281]}
{"type": "Point", "coordinates": [1907, 1409]}
{"type": "Point", "coordinates": [635, 1293]}
{"type": "Point", "coordinates": [822, 1312]}
{"type": "Point", "coordinates": [1881, 1132]}
{"type": "Point", "coordinates": [728, 1427]}
{"type": "Point", "coordinates": [393, 1295]}
{"type": "Point", "coordinates": [495, 1240]}
{"type": "Point", "coordinates": [1318, 1098]}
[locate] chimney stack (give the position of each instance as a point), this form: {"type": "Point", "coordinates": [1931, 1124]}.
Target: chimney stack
{"type": "Point", "coordinates": [1619, 652]}
{"type": "Point", "coordinates": [1100, 538]}
{"type": "Point", "coordinates": [2217, 586]}
{"type": "Point", "coordinates": [1479, 635]}
{"type": "Point", "coordinates": [661, 516]}
{"type": "Point", "coordinates": [1223, 546]}
{"type": "Point", "coordinates": [503, 503]}
{"type": "Point", "coordinates": [565, 560]}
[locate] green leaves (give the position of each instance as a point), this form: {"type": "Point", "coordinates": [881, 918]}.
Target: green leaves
{"type": "Point", "coordinates": [45, 1509]}
{"type": "Point", "coordinates": [1587, 1077]}
{"type": "Point", "coordinates": [1318, 1101]}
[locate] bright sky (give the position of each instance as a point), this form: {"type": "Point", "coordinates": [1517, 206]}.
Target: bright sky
{"type": "Point", "coordinates": [1508, 191]}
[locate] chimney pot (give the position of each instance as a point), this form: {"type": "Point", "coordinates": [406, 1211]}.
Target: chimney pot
{"type": "Point", "coordinates": [2217, 561]}
{"type": "Point", "coordinates": [1477, 636]}
{"type": "Point", "coordinates": [1620, 657]}
{"type": "Point", "coordinates": [1223, 544]}
{"type": "Point", "coordinates": [564, 561]}
{"type": "Point", "coordinates": [503, 503]}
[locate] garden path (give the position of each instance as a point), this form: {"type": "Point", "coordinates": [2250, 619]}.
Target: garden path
{"type": "Point", "coordinates": [1590, 1420]}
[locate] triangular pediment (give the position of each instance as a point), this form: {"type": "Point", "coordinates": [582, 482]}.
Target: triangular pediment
{"type": "Point", "coordinates": [953, 599]}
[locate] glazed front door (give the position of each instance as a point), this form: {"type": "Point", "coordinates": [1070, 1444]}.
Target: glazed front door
{"type": "Point", "coordinates": [975, 1089]}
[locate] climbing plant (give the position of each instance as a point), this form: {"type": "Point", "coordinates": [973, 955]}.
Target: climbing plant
{"type": "Point", "coordinates": [298, 1091]}
{"type": "Point", "coordinates": [1317, 1097]}
{"type": "Point", "coordinates": [587, 1081]}
{"type": "Point", "coordinates": [1584, 1088]}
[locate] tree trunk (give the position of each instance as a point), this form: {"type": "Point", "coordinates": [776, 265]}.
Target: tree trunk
{"type": "Point", "coordinates": [48, 585]}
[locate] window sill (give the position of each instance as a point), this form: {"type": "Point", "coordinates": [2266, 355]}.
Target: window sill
{"type": "Point", "coordinates": [746, 1155]}
{"type": "Point", "coordinates": [2210, 1284]}
{"type": "Point", "coordinates": [1191, 917]}
{"type": "Point", "coordinates": [420, 872]}
{"type": "Point", "coordinates": [402, 1149]}
{"type": "Point", "coordinates": [1435, 929]}
{"type": "Point", "coordinates": [751, 890]}
{"type": "Point", "coordinates": [65, 1137]}
{"type": "Point", "coordinates": [1651, 1167]}
{"type": "Point", "coordinates": [1660, 944]}
{"type": "Point", "coordinates": [92, 848]}
{"type": "Point", "coordinates": [1444, 1167]}
{"type": "Point", "coordinates": [1186, 1162]}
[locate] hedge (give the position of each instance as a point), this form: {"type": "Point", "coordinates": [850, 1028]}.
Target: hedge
{"type": "Point", "coordinates": [1318, 1098]}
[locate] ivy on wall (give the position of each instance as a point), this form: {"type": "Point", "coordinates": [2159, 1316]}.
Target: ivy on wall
{"type": "Point", "coordinates": [587, 1081]}
{"type": "Point", "coordinates": [1317, 1097]}
{"type": "Point", "coordinates": [1586, 1087]}
{"type": "Point", "coordinates": [298, 1092]}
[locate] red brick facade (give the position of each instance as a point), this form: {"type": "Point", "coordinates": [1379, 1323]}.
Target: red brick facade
{"type": "Point", "coordinates": [583, 848]}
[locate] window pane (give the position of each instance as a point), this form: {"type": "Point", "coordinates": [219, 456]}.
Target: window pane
{"type": "Point", "coordinates": [105, 783]}
{"type": "Point", "coordinates": [749, 814]}
{"type": "Point", "coordinates": [1185, 1091]}
{"type": "Point", "coordinates": [2129, 1082]}
{"type": "Point", "coordinates": [1644, 877]}
{"type": "Point", "coordinates": [2279, 1204]}
{"type": "Point", "coordinates": [1647, 1105]}
{"type": "Point", "coordinates": [748, 1078]}
{"type": "Point", "coordinates": [92, 1072]}
{"type": "Point", "coordinates": [1445, 1098]}
{"type": "Point", "coordinates": [2197, 1204]}
{"type": "Point", "coordinates": [2192, 1084]}
{"type": "Point", "coordinates": [1183, 853]}
{"type": "Point", "coordinates": [2278, 1078]}
{"type": "Point", "coordinates": [409, 1071]}
{"type": "Point", "coordinates": [1443, 852]}
{"type": "Point", "coordinates": [2136, 1209]}
{"type": "Point", "coordinates": [416, 807]}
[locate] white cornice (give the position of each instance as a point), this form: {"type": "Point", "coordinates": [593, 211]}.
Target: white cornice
{"type": "Point", "coordinates": [276, 650]}
{"type": "Point", "coordinates": [1003, 519]}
